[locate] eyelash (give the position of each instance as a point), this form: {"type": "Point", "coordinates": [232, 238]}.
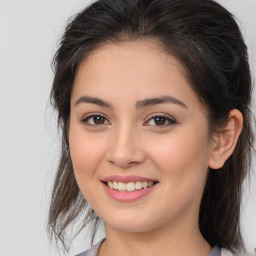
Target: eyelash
{"type": "Point", "coordinates": [166, 118]}
{"type": "Point", "coordinates": [89, 116]}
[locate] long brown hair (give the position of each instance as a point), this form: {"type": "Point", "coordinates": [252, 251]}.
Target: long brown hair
{"type": "Point", "coordinates": [206, 40]}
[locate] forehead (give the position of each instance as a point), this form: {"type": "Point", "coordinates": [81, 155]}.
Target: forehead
{"type": "Point", "coordinates": [142, 68]}
{"type": "Point", "coordinates": [129, 53]}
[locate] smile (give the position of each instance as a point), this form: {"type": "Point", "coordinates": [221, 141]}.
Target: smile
{"type": "Point", "coordinates": [130, 186]}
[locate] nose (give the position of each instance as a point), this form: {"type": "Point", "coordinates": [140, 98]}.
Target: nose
{"type": "Point", "coordinates": [125, 149]}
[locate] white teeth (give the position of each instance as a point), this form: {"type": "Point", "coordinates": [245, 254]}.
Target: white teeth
{"type": "Point", "coordinates": [130, 186]}
{"type": "Point", "coordinates": [114, 185]}
{"type": "Point", "coordinates": [150, 184]}
{"type": "Point", "coordinates": [110, 184]}
{"type": "Point", "coordinates": [121, 186]}
{"type": "Point", "coordinates": [138, 185]}
{"type": "Point", "coordinates": [144, 184]}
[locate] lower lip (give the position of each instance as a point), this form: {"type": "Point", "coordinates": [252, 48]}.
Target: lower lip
{"type": "Point", "coordinates": [125, 196]}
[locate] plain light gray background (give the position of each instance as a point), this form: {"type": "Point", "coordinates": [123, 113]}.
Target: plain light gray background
{"type": "Point", "coordinates": [29, 32]}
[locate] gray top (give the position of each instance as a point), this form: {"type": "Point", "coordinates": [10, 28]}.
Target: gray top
{"type": "Point", "coordinates": [94, 250]}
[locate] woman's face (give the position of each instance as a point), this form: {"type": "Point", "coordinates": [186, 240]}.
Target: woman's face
{"type": "Point", "coordinates": [136, 121]}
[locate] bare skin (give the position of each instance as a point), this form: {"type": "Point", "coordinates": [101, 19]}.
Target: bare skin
{"type": "Point", "coordinates": [124, 137]}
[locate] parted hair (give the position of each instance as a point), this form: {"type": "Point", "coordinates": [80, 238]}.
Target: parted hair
{"type": "Point", "coordinates": [205, 39]}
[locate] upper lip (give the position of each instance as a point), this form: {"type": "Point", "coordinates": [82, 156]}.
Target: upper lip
{"type": "Point", "coordinates": [126, 179]}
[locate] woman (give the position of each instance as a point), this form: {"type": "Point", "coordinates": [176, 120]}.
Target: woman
{"type": "Point", "coordinates": [154, 100]}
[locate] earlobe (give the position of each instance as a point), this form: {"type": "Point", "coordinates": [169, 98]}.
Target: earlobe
{"type": "Point", "coordinates": [225, 141]}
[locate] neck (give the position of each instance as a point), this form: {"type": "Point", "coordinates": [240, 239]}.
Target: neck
{"type": "Point", "coordinates": [165, 241]}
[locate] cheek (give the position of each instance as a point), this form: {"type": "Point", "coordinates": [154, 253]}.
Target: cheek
{"type": "Point", "coordinates": [87, 153]}
{"type": "Point", "coordinates": [83, 156]}
{"type": "Point", "coordinates": [183, 160]}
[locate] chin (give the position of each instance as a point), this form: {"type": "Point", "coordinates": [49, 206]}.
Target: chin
{"type": "Point", "coordinates": [130, 224]}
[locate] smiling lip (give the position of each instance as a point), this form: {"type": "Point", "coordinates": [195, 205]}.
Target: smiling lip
{"type": "Point", "coordinates": [126, 179]}
{"type": "Point", "coordinates": [127, 196]}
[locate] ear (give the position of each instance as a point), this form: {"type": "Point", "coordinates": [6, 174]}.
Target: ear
{"type": "Point", "coordinates": [225, 141]}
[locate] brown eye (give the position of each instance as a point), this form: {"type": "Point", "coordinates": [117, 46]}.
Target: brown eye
{"type": "Point", "coordinates": [98, 120]}
{"type": "Point", "coordinates": [159, 120]}
{"type": "Point", "coordinates": [94, 120]}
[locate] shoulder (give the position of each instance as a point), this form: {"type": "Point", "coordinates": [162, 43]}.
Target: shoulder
{"type": "Point", "coordinates": [93, 250]}
{"type": "Point", "coordinates": [216, 251]}
{"type": "Point", "coordinates": [228, 253]}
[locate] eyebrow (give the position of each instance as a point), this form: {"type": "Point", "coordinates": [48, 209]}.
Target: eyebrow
{"type": "Point", "coordinates": [139, 104]}
{"type": "Point", "coordinates": [159, 100]}
{"type": "Point", "coordinates": [93, 100]}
